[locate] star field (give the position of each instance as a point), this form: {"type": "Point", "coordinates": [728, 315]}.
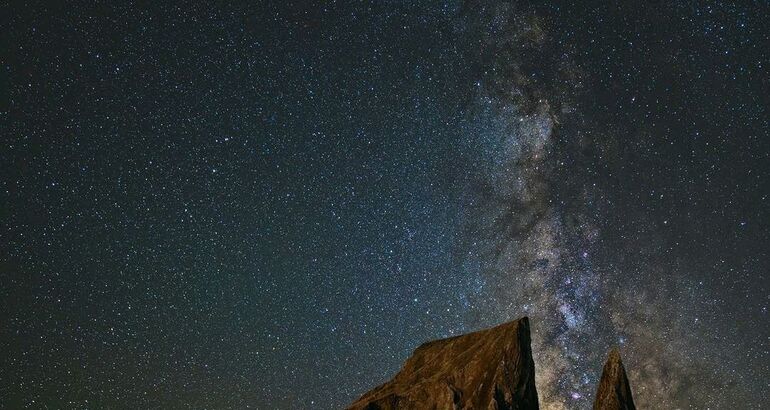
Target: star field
{"type": "Point", "coordinates": [271, 205]}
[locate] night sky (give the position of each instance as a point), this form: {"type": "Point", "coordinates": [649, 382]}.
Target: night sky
{"type": "Point", "coordinates": [271, 205]}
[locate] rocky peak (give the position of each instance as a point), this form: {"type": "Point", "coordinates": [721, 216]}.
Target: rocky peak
{"type": "Point", "coordinates": [614, 392]}
{"type": "Point", "coordinates": [488, 369]}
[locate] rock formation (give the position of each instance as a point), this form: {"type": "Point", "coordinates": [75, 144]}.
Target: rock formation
{"type": "Point", "coordinates": [489, 369]}
{"type": "Point", "coordinates": [614, 392]}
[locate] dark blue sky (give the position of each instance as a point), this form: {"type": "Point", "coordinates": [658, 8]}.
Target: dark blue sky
{"type": "Point", "coordinates": [272, 205]}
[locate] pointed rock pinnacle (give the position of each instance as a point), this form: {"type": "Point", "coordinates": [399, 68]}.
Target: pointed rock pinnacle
{"type": "Point", "coordinates": [614, 392]}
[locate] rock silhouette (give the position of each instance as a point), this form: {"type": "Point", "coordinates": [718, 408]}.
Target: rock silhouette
{"type": "Point", "coordinates": [614, 392]}
{"type": "Point", "coordinates": [488, 369]}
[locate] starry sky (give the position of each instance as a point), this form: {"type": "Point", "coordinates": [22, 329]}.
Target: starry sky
{"type": "Point", "coordinates": [270, 205]}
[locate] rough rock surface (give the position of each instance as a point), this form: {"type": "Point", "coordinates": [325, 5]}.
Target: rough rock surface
{"type": "Point", "coordinates": [614, 392]}
{"type": "Point", "coordinates": [489, 369]}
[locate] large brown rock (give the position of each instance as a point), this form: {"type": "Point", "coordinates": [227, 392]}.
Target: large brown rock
{"type": "Point", "coordinates": [489, 369]}
{"type": "Point", "coordinates": [614, 392]}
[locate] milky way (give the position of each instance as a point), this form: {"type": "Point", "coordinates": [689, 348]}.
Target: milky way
{"type": "Point", "coordinates": [271, 205]}
{"type": "Point", "coordinates": [540, 204]}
